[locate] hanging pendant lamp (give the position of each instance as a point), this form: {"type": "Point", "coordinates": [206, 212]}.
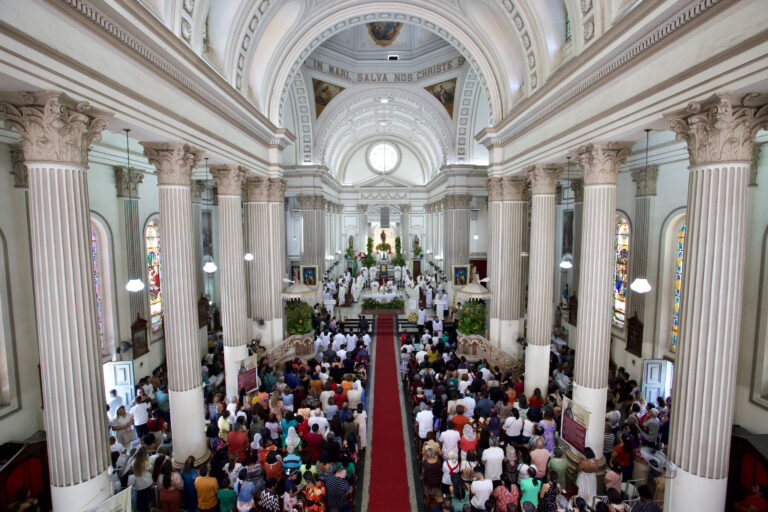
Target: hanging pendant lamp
{"type": "Point", "coordinates": [567, 262]}
{"type": "Point", "coordinates": [210, 266]}
{"type": "Point", "coordinates": [640, 283]}
{"type": "Point", "coordinates": [134, 284]}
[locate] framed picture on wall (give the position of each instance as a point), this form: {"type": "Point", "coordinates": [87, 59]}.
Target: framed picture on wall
{"type": "Point", "coordinates": [139, 337]}
{"type": "Point", "coordinates": [309, 275]}
{"type": "Point", "coordinates": [460, 275]}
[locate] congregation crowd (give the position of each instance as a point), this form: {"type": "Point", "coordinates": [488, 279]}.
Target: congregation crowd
{"type": "Point", "coordinates": [292, 445]}
{"type": "Point", "coordinates": [484, 446]}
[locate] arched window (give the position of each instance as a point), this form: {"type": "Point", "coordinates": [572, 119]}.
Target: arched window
{"type": "Point", "coordinates": [97, 286]}
{"type": "Point", "coordinates": [620, 271]}
{"type": "Point", "coordinates": [154, 276]}
{"type": "Point", "coordinates": [103, 291]}
{"type": "Point", "coordinates": [678, 280]}
{"type": "Point", "coordinates": [568, 34]}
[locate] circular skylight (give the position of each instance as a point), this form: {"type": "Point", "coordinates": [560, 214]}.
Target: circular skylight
{"type": "Point", "coordinates": [383, 157]}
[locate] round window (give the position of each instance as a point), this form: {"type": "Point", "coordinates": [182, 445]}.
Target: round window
{"type": "Point", "coordinates": [383, 157]}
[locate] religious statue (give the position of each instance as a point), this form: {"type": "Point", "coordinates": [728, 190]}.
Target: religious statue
{"type": "Point", "coordinates": [383, 237]}
{"type": "Point", "coordinates": [416, 241]}
{"type": "Point", "coordinates": [475, 275]}
{"type": "Point", "coordinates": [351, 242]}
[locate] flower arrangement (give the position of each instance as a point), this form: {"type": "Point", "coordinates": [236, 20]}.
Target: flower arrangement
{"type": "Point", "coordinates": [472, 318]}
{"type": "Point", "coordinates": [417, 251]}
{"type": "Point", "coordinates": [396, 303]}
{"type": "Point", "coordinates": [350, 253]}
{"type": "Point", "coordinates": [413, 317]}
{"type": "Point", "coordinates": [298, 316]}
{"type": "Point", "coordinates": [384, 247]}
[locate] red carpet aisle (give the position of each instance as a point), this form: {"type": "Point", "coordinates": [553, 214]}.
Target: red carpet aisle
{"type": "Point", "coordinates": [388, 478]}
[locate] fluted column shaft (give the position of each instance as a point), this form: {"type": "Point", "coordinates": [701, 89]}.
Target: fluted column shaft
{"type": "Point", "coordinates": [577, 186]}
{"type": "Point", "coordinates": [600, 163]}
{"type": "Point", "coordinates": [543, 180]}
{"type": "Point", "coordinates": [313, 231]}
{"type": "Point", "coordinates": [229, 179]}
{"type": "Point", "coordinates": [720, 134]}
{"type": "Point", "coordinates": [197, 238]}
{"type": "Point", "coordinates": [507, 216]}
{"type": "Point", "coordinates": [56, 133]}
{"type": "Point", "coordinates": [127, 182]}
{"type": "Point", "coordinates": [645, 182]}
{"type": "Point", "coordinates": [456, 231]}
{"type": "Point", "coordinates": [174, 163]}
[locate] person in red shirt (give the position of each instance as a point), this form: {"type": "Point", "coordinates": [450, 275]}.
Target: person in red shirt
{"type": "Point", "coordinates": [314, 443]}
{"type": "Point", "coordinates": [237, 441]}
{"type": "Point", "coordinates": [339, 398]}
{"type": "Point", "coordinates": [519, 385]}
{"type": "Point", "coordinates": [459, 420]}
{"type": "Point", "coordinates": [302, 428]}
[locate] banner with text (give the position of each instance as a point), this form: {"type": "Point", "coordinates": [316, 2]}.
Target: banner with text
{"type": "Point", "coordinates": [574, 421]}
{"type": "Point", "coordinates": [248, 376]}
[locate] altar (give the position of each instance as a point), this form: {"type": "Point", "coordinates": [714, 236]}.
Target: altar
{"type": "Point", "coordinates": [382, 297]}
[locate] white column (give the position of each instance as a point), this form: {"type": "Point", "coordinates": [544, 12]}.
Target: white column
{"type": "Point", "coordinates": [229, 180]}
{"type": "Point", "coordinates": [720, 134]}
{"type": "Point", "coordinates": [456, 231]}
{"type": "Point", "coordinates": [507, 209]}
{"type": "Point", "coordinates": [362, 228]}
{"type": "Point", "coordinates": [198, 186]}
{"type": "Point", "coordinates": [275, 249]}
{"type": "Point", "coordinates": [645, 192]}
{"type": "Point", "coordinates": [543, 179]}
{"type": "Point", "coordinates": [56, 133]}
{"type": "Point", "coordinates": [127, 182]}
{"type": "Point", "coordinates": [174, 162]}
{"type": "Point", "coordinates": [577, 186]}
{"type": "Point", "coordinates": [313, 231]}
{"type": "Point", "coordinates": [600, 163]}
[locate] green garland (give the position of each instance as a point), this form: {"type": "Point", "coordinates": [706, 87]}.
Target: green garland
{"type": "Point", "coordinates": [350, 253]}
{"type": "Point", "coordinates": [398, 260]}
{"type": "Point", "coordinates": [396, 303]}
{"type": "Point", "coordinates": [398, 245]}
{"type": "Point", "coordinates": [417, 251]}
{"type": "Point", "coordinates": [298, 317]}
{"type": "Point", "coordinates": [472, 318]}
{"type": "Point", "coordinates": [369, 245]}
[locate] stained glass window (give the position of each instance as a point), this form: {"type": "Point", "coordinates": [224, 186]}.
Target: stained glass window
{"type": "Point", "coordinates": [678, 279]}
{"type": "Point", "coordinates": [97, 286]}
{"type": "Point", "coordinates": [620, 271]}
{"type": "Point", "coordinates": [154, 274]}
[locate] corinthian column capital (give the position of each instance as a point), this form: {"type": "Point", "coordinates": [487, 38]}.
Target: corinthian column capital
{"type": "Point", "coordinates": [277, 190]}
{"type": "Point", "coordinates": [457, 201]}
{"type": "Point", "coordinates": [256, 189]}
{"type": "Point", "coordinates": [721, 128]}
{"type": "Point", "coordinates": [543, 178]}
{"type": "Point", "coordinates": [515, 188]}
{"type": "Point", "coordinates": [53, 126]}
{"type": "Point", "coordinates": [127, 181]}
{"type": "Point", "coordinates": [229, 179]}
{"type": "Point", "coordinates": [645, 180]}
{"type": "Point", "coordinates": [174, 161]}
{"type": "Point", "coordinates": [600, 161]}
{"type": "Point", "coordinates": [495, 189]}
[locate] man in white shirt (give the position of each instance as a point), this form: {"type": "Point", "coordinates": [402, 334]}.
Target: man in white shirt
{"type": "Point", "coordinates": [140, 413]}
{"type": "Point", "coordinates": [450, 439]}
{"type": "Point", "coordinates": [481, 489]}
{"type": "Point", "coordinates": [513, 427]}
{"type": "Point", "coordinates": [420, 355]}
{"type": "Point", "coordinates": [351, 342]}
{"type": "Point", "coordinates": [319, 345]}
{"type": "Point", "coordinates": [114, 403]}
{"type": "Point", "coordinates": [470, 405]}
{"type": "Point", "coordinates": [318, 418]}
{"type": "Point", "coordinates": [425, 420]}
{"type": "Point", "coordinates": [492, 458]}
{"type": "Point", "coordinates": [366, 340]}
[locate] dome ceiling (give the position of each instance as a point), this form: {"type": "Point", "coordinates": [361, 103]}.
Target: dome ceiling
{"type": "Point", "coordinates": [378, 41]}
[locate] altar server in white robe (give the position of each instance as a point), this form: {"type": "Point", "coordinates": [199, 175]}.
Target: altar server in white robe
{"type": "Point", "coordinates": [356, 290]}
{"type": "Point", "coordinates": [375, 286]}
{"type": "Point", "coordinates": [339, 341]}
{"type": "Point", "coordinates": [364, 273]}
{"type": "Point", "coordinates": [428, 293]}
{"type": "Point", "coordinates": [437, 326]}
{"type": "Point", "coordinates": [421, 318]}
{"type": "Point", "coordinates": [351, 342]}
{"type": "Point", "coordinates": [398, 273]}
{"type": "Point", "coordinates": [326, 335]}
{"type": "Point", "coordinates": [366, 340]}
{"type": "Point", "coordinates": [342, 294]}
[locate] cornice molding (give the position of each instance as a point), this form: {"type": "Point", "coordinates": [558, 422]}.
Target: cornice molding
{"type": "Point", "coordinates": [651, 41]}
{"type": "Point", "coordinates": [107, 27]}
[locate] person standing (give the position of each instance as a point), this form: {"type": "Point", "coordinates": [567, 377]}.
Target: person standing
{"type": "Point", "coordinates": [206, 487]}
{"type": "Point", "coordinates": [481, 490]}
{"type": "Point", "coordinates": [140, 412]}
{"type": "Point", "coordinates": [421, 317]}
